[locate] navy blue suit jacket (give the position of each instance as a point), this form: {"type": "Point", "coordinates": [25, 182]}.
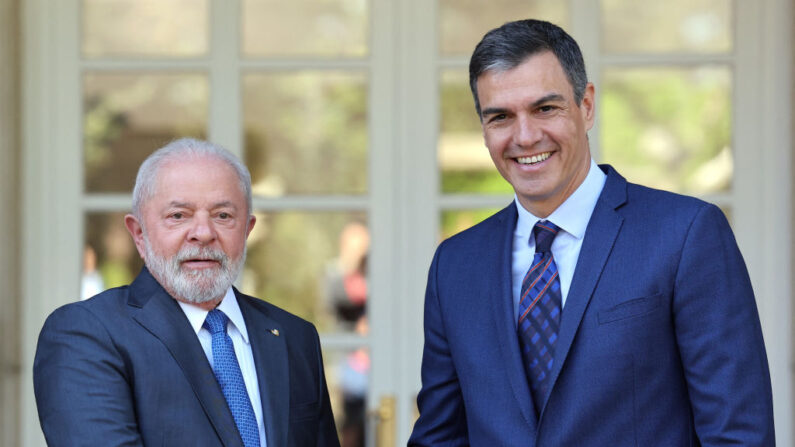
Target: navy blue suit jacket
{"type": "Point", "coordinates": [659, 345]}
{"type": "Point", "coordinates": [126, 368]}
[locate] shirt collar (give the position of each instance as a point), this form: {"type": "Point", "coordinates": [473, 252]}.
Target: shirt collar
{"type": "Point", "coordinates": [573, 214]}
{"type": "Point", "coordinates": [196, 315]}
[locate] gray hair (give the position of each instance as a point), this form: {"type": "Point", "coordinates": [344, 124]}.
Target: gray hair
{"type": "Point", "coordinates": [145, 181]}
{"type": "Point", "coordinates": [508, 46]}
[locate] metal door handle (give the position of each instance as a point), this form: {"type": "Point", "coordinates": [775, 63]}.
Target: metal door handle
{"type": "Point", "coordinates": [385, 422]}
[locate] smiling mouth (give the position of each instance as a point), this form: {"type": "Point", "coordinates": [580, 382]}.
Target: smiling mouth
{"type": "Point", "coordinates": [534, 159]}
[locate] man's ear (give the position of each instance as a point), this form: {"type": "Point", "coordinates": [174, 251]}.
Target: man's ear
{"type": "Point", "coordinates": [588, 105]}
{"type": "Point", "coordinates": [251, 221]}
{"type": "Point", "coordinates": [137, 232]}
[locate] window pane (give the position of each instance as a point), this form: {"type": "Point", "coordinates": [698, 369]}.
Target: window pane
{"type": "Point", "coordinates": [305, 28]}
{"type": "Point", "coordinates": [109, 255]}
{"type": "Point", "coordinates": [669, 128]}
{"type": "Point", "coordinates": [313, 264]}
{"type": "Point", "coordinates": [127, 116]}
{"type": "Point", "coordinates": [691, 26]}
{"type": "Point", "coordinates": [456, 221]}
{"type": "Point", "coordinates": [306, 132]}
{"type": "Point", "coordinates": [464, 22]}
{"type": "Point", "coordinates": [464, 160]}
{"type": "Point", "coordinates": [157, 28]}
{"type": "Point", "coordinates": [347, 374]}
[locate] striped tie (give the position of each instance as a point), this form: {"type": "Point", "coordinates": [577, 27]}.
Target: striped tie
{"type": "Point", "coordinates": [539, 313]}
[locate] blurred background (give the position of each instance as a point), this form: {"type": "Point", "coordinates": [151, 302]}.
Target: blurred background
{"type": "Point", "coordinates": [356, 121]}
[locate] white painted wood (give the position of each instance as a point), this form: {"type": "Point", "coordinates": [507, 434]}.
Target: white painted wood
{"type": "Point", "coordinates": [417, 135]}
{"type": "Point", "coordinates": [775, 296]}
{"type": "Point", "coordinates": [225, 108]}
{"type": "Point", "coordinates": [10, 334]}
{"type": "Point", "coordinates": [383, 266]}
{"type": "Point", "coordinates": [52, 178]}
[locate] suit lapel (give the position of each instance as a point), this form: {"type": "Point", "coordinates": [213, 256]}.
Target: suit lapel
{"type": "Point", "coordinates": [271, 360]}
{"type": "Point", "coordinates": [499, 256]}
{"type": "Point", "coordinates": [600, 235]}
{"type": "Point", "coordinates": [160, 314]}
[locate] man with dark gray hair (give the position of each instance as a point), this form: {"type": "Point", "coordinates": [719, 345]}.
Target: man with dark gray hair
{"type": "Point", "coordinates": [181, 357]}
{"type": "Point", "coordinates": [590, 311]}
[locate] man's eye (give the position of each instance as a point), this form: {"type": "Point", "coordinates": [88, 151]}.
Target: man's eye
{"type": "Point", "coordinates": [224, 215]}
{"type": "Point", "coordinates": [546, 109]}
{"type": "Point", "coordinates": [177, 216]}
{"type": "Point", "coordinates": [498, 117]}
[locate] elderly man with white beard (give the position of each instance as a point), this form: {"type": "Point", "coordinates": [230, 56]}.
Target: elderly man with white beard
{"type": "Point", "coordinates": [181, 357]}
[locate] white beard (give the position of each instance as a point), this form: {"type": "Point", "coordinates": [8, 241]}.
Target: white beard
{"type": "Point", "coordinates": [194, 286]}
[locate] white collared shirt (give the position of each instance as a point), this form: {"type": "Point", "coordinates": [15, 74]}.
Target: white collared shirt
{"type": "Point", "coordinates": [572, 218]}
{"type": "Point", "coordinates": [236, 329]}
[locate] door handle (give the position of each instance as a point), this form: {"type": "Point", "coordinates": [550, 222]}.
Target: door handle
{"type": "Point", "coordinates": [385, 422]}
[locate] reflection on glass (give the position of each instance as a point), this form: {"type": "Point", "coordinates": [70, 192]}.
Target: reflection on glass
{"type": "Point", "coordinates": [127, 116]}
{"type": "Point", "coordinates": [305, 28]}
{"type": "Point", "coordinates": [306, 132]}
{"type": "Point", "coordinates": [669, 128]}
{"type": "Point", "coordinates": [463, 158]}
{"type": "Point", "coordinates": [456, 221]}
{"type": "Point", "coordinates": [464, 22]}
{"type": "Point", "coordinates": [157, 28]}
{"type": "Point", "coordinates": [313, 264]}
{"type": "Point", "coordinates": [690, 26]}
{"type": "Point", "coordinates": [347, 374]}
{"type": "Point", "coordinates": [109, 255]}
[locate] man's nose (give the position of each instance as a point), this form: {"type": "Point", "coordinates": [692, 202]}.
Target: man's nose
{"type": "Point", "coordinates": [527, 132]}
{"type": "Point", "coordinates": [202, 230]}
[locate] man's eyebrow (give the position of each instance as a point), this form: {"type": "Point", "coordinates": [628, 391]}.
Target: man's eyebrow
{"type": "Point", "coordinates": [177, 204]}
{"type": "Point", "coordinates": [224, 204]}
{"type": "Point", "coordinates": [492, 111]}
{"type": "Point", "coordinates": [552, 97]}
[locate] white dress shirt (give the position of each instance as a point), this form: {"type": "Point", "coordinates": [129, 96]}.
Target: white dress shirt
{"type": "Point", "coordinates": [236, 329]}
{"type": "Point", "coordinates": [572, 218]}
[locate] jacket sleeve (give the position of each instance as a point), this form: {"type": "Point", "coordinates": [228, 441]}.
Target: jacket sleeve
{"type": "Point", "coordinates": [442, 420]}
{"type": "Point", "coordinates": [720, 338]}
{"type": "Point", "coordinates": [80, 382]}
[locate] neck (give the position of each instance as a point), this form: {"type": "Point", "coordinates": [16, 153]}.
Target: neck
{"type": "Point", "coordinates": [207, 305]}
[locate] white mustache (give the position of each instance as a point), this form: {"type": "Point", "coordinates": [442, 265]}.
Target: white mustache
{"type": "Point", "coordinates": [193, 252]}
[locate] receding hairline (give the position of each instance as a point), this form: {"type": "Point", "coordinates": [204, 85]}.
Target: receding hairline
{"type": "Point", "coordinates": [177, 160]}
{"type": "Point", "coordinates": [180, 150]}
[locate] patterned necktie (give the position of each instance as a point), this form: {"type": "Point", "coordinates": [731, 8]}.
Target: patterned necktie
{"type": "Point", "coordinates": [539, 313]}
{"type": "Point", "coordinates": [227, 372]}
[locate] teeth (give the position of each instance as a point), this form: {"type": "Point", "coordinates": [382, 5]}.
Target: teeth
{"type": "Point", "coordinates": [534, 159]}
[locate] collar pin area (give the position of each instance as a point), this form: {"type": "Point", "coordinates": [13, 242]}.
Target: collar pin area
{"type": "Point", "coordinates": [275, 332]}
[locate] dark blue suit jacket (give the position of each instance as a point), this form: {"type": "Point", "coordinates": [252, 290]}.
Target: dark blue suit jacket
{"type": "Point", "coordinates": [126, 368]}
{"type": "Point", "coordinates": [660, 342]}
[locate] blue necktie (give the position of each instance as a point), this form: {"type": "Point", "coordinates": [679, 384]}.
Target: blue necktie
{"type": "Point", "coordinates": [227, 372]}
{"type": "Point", "coordinates": [539, 313]}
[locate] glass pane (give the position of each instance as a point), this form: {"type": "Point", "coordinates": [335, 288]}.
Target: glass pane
{"type": "Point", "coordinates": [463, 158]}
{"type": "Point", "coordinates": [690, 26]}
{"type": "Point", "coordinates": [127, 116]}
{"type": "Point", "coordinates": [273, 28]}
{"type": "Point", "coordinates": [109, 255]}
{"type": "Point", "coordinates": [456, 221]}
{"type": "Point", "coordinates": [306, 132]}
{"type": "Point", "coordinates": [464, 22]}
{"type": "Point", "coordinates": [313, 264]}
{"type": "Point", "coordinates": [669, 128]}
{"type": "Point", "coordinates": [156, 28]}
{"type": "Point", "coordinates": [347, 375]}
